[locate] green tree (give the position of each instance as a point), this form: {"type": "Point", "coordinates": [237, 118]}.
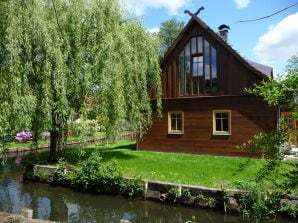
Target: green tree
{"type": "Point", "coordinates": [64, 57]}
{"type": "Point", "coordinates": [280, 92]}
{"type": "Point", "coordinates": [271, 175]}
{"type": "Point", "coordinates": [168, 33]}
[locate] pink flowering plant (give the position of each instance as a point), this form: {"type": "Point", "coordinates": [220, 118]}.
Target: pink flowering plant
{"type": "Point", "coordinates": [23, 136]}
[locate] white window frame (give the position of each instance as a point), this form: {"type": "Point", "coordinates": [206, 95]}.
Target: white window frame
{"type": "Point", "coordinates": [229, 123]}
{"type": "Point", "coordinates": [175, 131]}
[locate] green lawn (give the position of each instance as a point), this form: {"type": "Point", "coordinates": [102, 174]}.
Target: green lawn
{"type": "Point", "coordinates": [201, 170]}
{"type": "Point", "coordinates": [204, 170]}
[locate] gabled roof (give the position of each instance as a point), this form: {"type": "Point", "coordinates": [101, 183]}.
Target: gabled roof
{"type": "Point", "coordinates": [260, 70]}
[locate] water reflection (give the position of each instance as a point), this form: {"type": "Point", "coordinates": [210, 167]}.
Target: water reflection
{"type": "Point", "coordinates": [63, 204]}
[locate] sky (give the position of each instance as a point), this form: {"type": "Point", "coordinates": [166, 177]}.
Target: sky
{"type": "Point", "coordinates": [271, 41]}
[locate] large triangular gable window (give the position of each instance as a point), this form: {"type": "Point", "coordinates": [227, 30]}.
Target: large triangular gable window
{"type": "Point", "coordinates": [197, 68]}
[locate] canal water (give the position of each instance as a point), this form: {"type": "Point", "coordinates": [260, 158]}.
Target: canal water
{"type": "Point", "coordinates": [67, 205]}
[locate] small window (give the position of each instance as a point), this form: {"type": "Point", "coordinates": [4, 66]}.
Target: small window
{"type": "Point", "coordinates": [221, 122]}
{"type": "Point", "coordinates": [175, 123]}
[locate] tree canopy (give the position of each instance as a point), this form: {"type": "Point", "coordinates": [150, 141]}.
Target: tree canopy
{"type": "Point", "coordinates": [168, 33]}
{"type": "Point", "coordinates": [60, 57]}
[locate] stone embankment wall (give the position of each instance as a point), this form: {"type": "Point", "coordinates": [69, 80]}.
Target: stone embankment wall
{"type": "Point", "coordinates": [197, 196]}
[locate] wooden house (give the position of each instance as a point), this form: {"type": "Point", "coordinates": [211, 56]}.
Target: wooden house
{"type": "Point", "coordinates": [205, 108]}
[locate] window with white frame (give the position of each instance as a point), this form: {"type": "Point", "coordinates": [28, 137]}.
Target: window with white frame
{"type": "Point", "coordinates": [221, 122]}
{"type": "Point", "coordinates": [175, 122]}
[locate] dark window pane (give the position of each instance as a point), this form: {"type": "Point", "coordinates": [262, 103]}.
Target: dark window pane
{"type": "Point", "coordinates": [225, 115]}
{"type": "Point", "coordinates": [225, 125]}
{"type": "Point", "coordinates": [207, 65]}
{"type": "Point", "coordinates": [218, 125]}
{"type": "Point", "coordinates": [222, 120]}
{"type": "Point", "coordinates": [194, 45]}
{"type": "Point", "coordinates": [178, 115]}
{"type": "Point", "coordinates": [217, 115]}
{"type": "Point", "coordinates": [179, 124]}
{"type": "Point", "coordinates": [181, 73]}
{"type": "Point", "coordinates": [200, 70]}
{"type": "Point", "coordinates": [187, 68]}
{"type": "Point", "coordinates": [195, 69]}
{"type": "Point", "coordinates": [201, 84]}
{"type": "Point", "coordinates": [200, 44]}
{"type": "Point", "coordinates": [173, 125]}
{"type": "Point", "coordinates": [195, 85]}
{"type": "Point", "coordinates": [213, 70]}
{"type": "Point", "coordinates": [213, 62]}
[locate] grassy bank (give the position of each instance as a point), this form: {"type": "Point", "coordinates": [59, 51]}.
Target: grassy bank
{"type": "Point", "coordinates": [204, 170]}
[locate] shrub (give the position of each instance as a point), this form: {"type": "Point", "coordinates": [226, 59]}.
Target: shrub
{"type": "Point", "coordinates": [94, 175]}
{"type": "Point", "coordinates": [61, 175]}
{"type": "Point", "coordinates": [172, 195]}
{"type": "Point", "coordinates": [257, 204]}
{"type": "Point", "coordinates": [134, 188]}
{"type": "Point", "coordinates": [185, 194]}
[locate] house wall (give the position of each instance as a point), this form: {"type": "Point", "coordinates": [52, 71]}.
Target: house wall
{"type": "Point", "coordinates": [233, 75]}
{"type": "Point", "coordinates": [249, 115]}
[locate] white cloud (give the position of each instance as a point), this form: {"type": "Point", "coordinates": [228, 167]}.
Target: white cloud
{"type": "Point", "coordinates": [153, 30]}
{"type": "Point", "coordinates": [139, 7]}
{"type": "Point", "coordinates": [241, 3]}
{"type": "Point", "coordinates": [279, 43]}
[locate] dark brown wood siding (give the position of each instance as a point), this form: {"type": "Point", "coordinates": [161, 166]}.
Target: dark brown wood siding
{"type": "Point", "coordinates": [249, 115]}
{"type": "Point", "coordinates": [233, 75]}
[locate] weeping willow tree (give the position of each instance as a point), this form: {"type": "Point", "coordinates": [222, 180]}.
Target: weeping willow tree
{"type": "Point", "coordinates": [63, 56]}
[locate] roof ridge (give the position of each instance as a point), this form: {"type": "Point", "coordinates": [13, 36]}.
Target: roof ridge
{"type": "Point", "coordinates": [227, 45]}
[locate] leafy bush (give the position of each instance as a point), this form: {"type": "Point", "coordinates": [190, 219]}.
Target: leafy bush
{"type": "Point", "coordinates": [258, 205]}
{"type": "Point", "coordinates": [94, 175]}
{"type": "Point", "coordinates": [62, 176]}
{"type": "Point", "coordinates": [134, 188]}
{"type": "Point", "coordinates": [185, 194]}
{"type": "Point", "coordinates": [172, 195]}
{"type": "Point", "coordinates": [289, 208]}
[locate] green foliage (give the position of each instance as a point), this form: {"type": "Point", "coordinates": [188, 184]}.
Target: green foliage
{"type": "Point", "coordinates": [84, 129]}
{"type": "Point", "coordinates": [63, 57]}
{"type": "Point", "coordinates": [134, 188]}
{"type": "Point", "coordinates": [42, 173]}
{"type": "Point", "coordinates": [61, 176]}
{"type": "Point", "coordinates": [94, 175]}
{"type": "Point", "coordinates": [268, 145]}
{"type": "Point", "coordinates": [169, 31]}
{"type": "Point", "coordinates": [287, 181]}
{"type": "Point", "coordinates": [280, 92]}
{"type": "Point", "coordinates": [185, 194]}
{"type": "Point", "coordinates": [226, 195]}
{"type": "Point", "coordinates": [193, 220]}
{"type": "Point", "coordinates": [258, 205]}
{"type": "Point", "coordinates": [199, 196]}
{"type": "Point", "coordinates": [172, 195]}
{"type": "Point", "coordinates": [288, 208]}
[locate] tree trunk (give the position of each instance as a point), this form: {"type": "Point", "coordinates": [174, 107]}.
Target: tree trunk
{"type": "Point", "coordinates": [58, 137]}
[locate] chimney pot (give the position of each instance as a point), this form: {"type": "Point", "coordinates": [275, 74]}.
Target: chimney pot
{"type": "Point", "coordinates": [223, 32]}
